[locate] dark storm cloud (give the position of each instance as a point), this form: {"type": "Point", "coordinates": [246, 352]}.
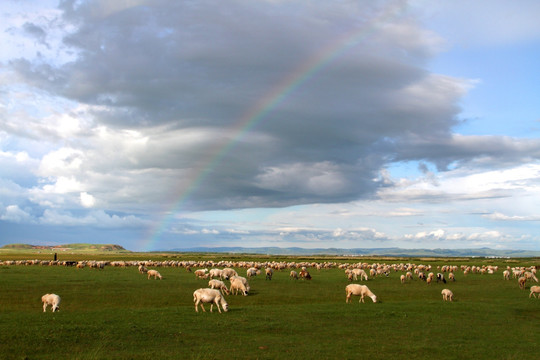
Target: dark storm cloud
{"type": "Point", "coordinates": [181, 75]}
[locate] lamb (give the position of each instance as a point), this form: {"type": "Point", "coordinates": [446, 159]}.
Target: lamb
{"type": "Point", "coordinates": [359, 290]}
{"type": "Point", "coordinates": [212, 296]}
{"type": "Point", "coordinates": [51, 299]}
{"type": "Point", "coordinates": [218, 284]}
{"type": "Point", "coordinates": [447, 295]}
{"type": "Point", "coordinates": [142, 269]}
{"type": "Point", "coordinates": [451, 276]}
{"type": "Point", "coordinates": [506, 275]}
{"type": "Point", "coordinates": [155, 274]}
{"type": "Point", "coordinates": [402, 279]}
{"type": "Point", "coordinates": [269, 272]}
{"type": "Point", "coordinates": [238, 285]}
{"type": "Point", "coordinates": [293, 275]}
{"type": "Point", "coordinates": [535, 290]}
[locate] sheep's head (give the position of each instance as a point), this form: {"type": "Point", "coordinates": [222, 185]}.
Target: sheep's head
{"type": "Point", "coordinates": [225, 307]}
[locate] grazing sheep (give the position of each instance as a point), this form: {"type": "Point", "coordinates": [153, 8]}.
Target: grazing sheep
{"type": "Point", "coordinates": [521, 281]}
{"type": "Point", "coordinates": [359, 290]}
{"type": "Point", "coordinates": [252, 272]}
{"type": "Point", "coordinates": [227, 273]}
{"type": "Point", "coordinates": [535, 290]}
{"type": "Point", "coordinates": [238, 285]}
{"type": "Point", "coordinates": [402, 279]}
{"type": "Point", "coordinates": [305, 275]}
{"type": "Point", "coordinates": [218, 284]}
{"type": "Point", "coordinates": [440, 277]}
{"type": "Point", "coordinates": [451, 276]}
{"type": "Point", "coordinates": [447, 295]}
{"type": "Point", "coordinates": [155, 274]}
{"type": "Point", "coordinates": [293, 275]}
{"type": "Point", "coordinates": [215, 273]}
{"type": "Point", "coordinates": [269, 273]}
{"type": "Point", "coordinates": [51, 299]}
{"type": "Point", "coordinates": [142, 269]}
{"type": "Point", "coordinates": [506, 275]}
{"type": "Point", "coordinates": [529, 275]}
{"type": "Point", "coordinates": [201, 273]}
{"type": "Point", "coordinates": [212, 296]}
{"type": "Point", "coordinates": [355, 273]}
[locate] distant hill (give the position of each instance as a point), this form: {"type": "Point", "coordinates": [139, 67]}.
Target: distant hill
{"type": "Point", "coordinates": [67, 247]}
{"type": "Point", "coordinates": [397, 252]}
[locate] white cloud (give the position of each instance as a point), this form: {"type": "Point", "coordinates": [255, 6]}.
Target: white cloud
{"type": "Point", "coordinates": [14, 214]}
{"type": "Point", "coordinates": [87, 200]}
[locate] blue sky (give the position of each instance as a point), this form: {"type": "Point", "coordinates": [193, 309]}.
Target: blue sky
{"type": "Point", "coordinates": [158, 125]}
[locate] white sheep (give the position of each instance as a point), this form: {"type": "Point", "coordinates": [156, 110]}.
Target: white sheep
{"type": "Point", "coordinates": [218, 284]}
{"type": "Point", "coordinates": [51, 299]}
{"type": "Point", "coordinates": [521, 282]}
{"type": "Point", "coordinates": [212, 296]}
{"type": "Point", "coordinates": [215, 273]}
{"type": "Point", "coordinates": [155, 274]}
{"type": "Point", "coordinates": [359, 290]}
{"type": "Point", "coordinates": [252, 272]}
{"type": "Point", "coordinates": [535, 290]}
{"type": "Point", "coordinates": [201, 273]}
{"type": "Point", "coordinates": [142, 269]}
{"type": "Point", "coordinates": [238, 283]}
{"type": "Point", "coordinates": [447, 295]}
{"type": "Point", "coordinates": [293, 275]}
{"type": "Point", "coordinates": [269, 272]}
{"type": "Point", "coordinates": [361, 273]}
{"type": "Point", "coordinates": [227, 273]}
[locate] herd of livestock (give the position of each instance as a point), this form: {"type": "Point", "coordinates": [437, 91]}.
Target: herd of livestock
{"type": "Point", "coordinates": [218, 272]}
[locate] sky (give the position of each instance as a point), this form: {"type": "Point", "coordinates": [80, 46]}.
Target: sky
{"type": "Point", "coordinates": [160, 125]}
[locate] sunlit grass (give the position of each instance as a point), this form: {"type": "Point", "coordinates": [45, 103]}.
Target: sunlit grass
{"type": "Point", "coordinates": [117, 313]}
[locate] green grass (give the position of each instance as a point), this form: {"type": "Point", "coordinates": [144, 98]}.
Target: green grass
{"type": "Point", "coordinates": [116, 313]}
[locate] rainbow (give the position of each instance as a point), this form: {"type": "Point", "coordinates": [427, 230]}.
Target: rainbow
{"type": "Point", "coordinates": [266, 104]}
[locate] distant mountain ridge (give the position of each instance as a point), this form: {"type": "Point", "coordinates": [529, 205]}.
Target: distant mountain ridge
{"type": "Point", "coordinates": [80, 247]}
{"type": "Point", "coordinates": [397, 252]}
{"type": "Point", "coordinates": [293, 251]}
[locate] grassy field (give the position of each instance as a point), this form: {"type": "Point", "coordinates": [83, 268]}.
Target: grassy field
{"type": "Point", "coordinates": [116, 313]}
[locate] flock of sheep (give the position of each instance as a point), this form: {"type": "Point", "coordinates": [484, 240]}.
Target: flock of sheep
{"type": "Point", "coordinates": [214, 294]}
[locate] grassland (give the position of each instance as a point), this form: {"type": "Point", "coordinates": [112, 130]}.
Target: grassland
{"type": "Point", "coordinates": [116, 313]}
